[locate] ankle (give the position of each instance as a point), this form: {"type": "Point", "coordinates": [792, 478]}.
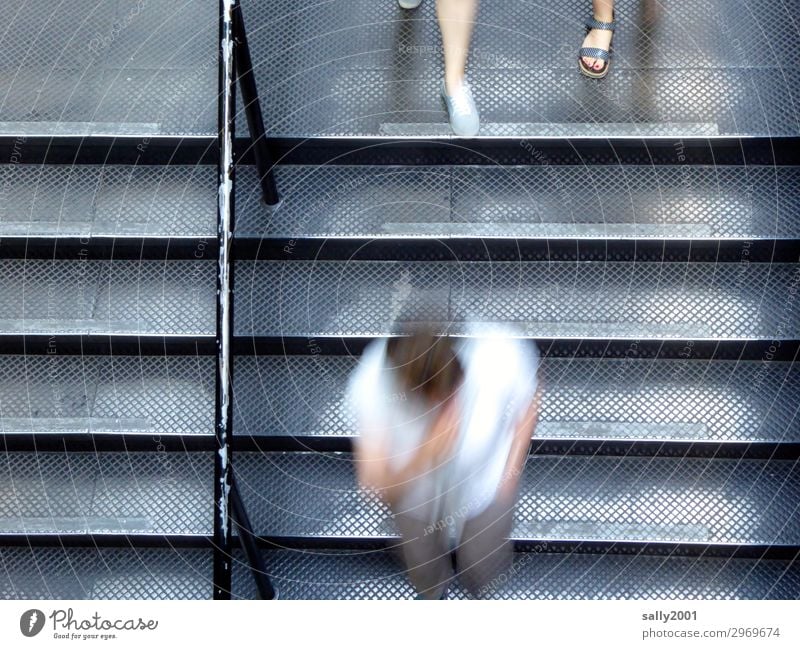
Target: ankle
{"type": "Point", "coordinates": [604, 17]}
{"type": "Point", "coordinates": [452, 84]}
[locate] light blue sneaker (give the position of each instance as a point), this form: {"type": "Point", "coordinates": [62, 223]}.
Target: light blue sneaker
{"type": "Point", "coordinates": [409, 4]}
{"type": "Point", "coordinates": [461, 108]}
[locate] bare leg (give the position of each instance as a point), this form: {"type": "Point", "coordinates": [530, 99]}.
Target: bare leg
{"type": "Point", "coordinates": [604, 12]}
{"type": "Point", "coordinates": [456, 19]}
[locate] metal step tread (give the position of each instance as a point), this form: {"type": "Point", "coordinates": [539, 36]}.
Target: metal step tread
{"type": "Point", "coordinates": [539, 201]}
{"type": "Point", "coordinates": [378, 574]}
{"type": "Point", "coordinates": [143, 395]}
{"type": "Point", "coordinates": [88, 296]}
{"type": "Point", "coordinates": [571, 498]}
{"type": "Point", "coordinates": [624, 399]}
{"type": "Point", "coordinates": [372, 69]}
{"type": "Point", "coordinates": [671, 300]}
{"type": "Point", "coordinates": [107, 201]}
{"type": "Point", "coordinates": [124, 69]}
{"type": "Point", "coordinates": [105, 573]}
{"type": "Point", "coordinates": [107, 493]}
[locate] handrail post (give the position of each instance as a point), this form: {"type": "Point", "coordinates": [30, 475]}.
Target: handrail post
{"type": "Point", "coordinates": [226, 121]}
{"type": "Point", "coordinates": [252, 109]}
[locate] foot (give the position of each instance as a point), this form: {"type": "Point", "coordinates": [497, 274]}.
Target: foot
{"type": "Point", "coordinates": [409, 4]}
{"type": "Point", "coordinates": [461, 108]}
{"type": "Point", "coordinates": [597, 38]}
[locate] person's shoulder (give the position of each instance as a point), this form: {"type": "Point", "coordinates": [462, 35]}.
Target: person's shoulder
{"type": "Point", "coordinates": [500, 350]}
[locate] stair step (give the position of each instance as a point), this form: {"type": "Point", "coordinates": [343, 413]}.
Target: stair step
{"type": "Point", "coordinates": [126, 70]}
{"type": "Point", "coordinates": [533, 575]}
{"type": "Point", "coordinates": [374, 70]}
{"type": "Point", "coordinates": [107, 201]}
{"type": "Point", "coordinates": [606, 202]}
{"type": "Point", "coordinates": [105, 573]}
{"type": "Point", "coordinates": [573, 498]}
{"type": "Point", "coordinates": [583, 399]}
{"type": "Point", "coordinates": [85, 296]}
{"type": "Point", "coordinates": [107, 493]}
{"type": "Point", "coordinates": [567, 300]}
{"type": "Point", "coordinates": [96, 395]}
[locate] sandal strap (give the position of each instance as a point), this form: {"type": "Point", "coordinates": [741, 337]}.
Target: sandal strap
{"type": "Point", "coordinates": [591, 23]}
{"type": "Point", "coordinates": [594, 53]}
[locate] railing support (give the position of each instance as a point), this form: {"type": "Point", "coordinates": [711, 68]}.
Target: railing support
{"type": "Point", "coordinates": [226, 121]}
{"type": "Point", "coordinates": [252, 109]}
{"type": "Point", "coordinates": [257, 567]}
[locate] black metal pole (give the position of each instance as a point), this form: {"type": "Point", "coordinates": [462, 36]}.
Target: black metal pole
{"type": "Point", "coordinates": [223, 404]}
{"type": "Point", "coordinates": [252, 109]}
{"type": "Point", "coordinates": [257, 566]}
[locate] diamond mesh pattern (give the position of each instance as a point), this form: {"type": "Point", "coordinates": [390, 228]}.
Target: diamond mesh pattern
{"type": "Point", "coordinates": [107, 200]}
{"type": "Point", "coordinates": [572, 497]}
{"type": "Point", "coordinates": [377, 575]}
{"type": "Point", "coordinates": [159, 493]}
{"type": "Point", "coordinates": [559, 299]}
{"type": "Point", "coordinates": [118, 296]}
{"type": "Point", "coordinates": [540, 200]}
{"type": "Point", "coordinates": [158, 395]}
{"type": "Point", "coordinates": [582, 398]}
{"type": "Point", "coordinates": [105, 573]}
{"type": "Point", "coordinates": [125, 66]}
{"type": "Point", "coordinates": [371, 69]}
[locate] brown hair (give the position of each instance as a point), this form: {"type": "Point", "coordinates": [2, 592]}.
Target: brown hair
{"type": "Point", "coordinates": [424, 364]}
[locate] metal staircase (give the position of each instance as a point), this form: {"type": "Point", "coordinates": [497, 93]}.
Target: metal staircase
{"type": "Point", "coordinates": [644, 230]}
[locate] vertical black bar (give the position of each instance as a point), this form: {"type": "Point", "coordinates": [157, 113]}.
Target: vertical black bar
{"type": "Point", "coordinates": [245, 529]}
{"type": "Point", "coordinates": [252, 109]}
{"type": "Point", "coordinates": [225, 206]}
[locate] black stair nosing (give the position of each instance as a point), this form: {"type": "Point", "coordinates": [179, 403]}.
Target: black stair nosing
{"type": "Point", "coordinates": [99, 343]}
{"type": "Point", "coordinates": [524, 248]}
{"type": "Point", "coordinates": [106, 540]}
{"type": "Point", "coordinates": [155, 442]}
{"type": "Point", "coordinates": [117, 149]}
{"type": "Point", "coordinates": [646, 348]}
{"type": "Point", "coordinates": [483, 150]}
{"type": "Point", "coordinates": [107, 247]}
{"type": "Point", "coordinates": [626, 447]}
{"type": "Point", "coordinates": [560, 546]}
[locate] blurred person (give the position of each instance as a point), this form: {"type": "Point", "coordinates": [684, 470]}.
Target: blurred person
{"type": "Point", "coordinates": [594, 56]}
{"type": "Point", "coordinates": [445, 428]}
{"type": "Point", "coordinates": [456, 18]}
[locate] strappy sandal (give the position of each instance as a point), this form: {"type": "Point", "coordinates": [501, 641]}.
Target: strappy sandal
{"type": "Point", "coordinates": [596, 52]}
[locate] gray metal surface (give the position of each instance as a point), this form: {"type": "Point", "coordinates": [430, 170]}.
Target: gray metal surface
{"type": "Point", "coordinates": [116, 297]}
{"type": "Point", "coordinates": [701, 68]}
{"type": "Point", "coordinates": [109, 67]}
{"type": "Point", "coordinates": [541, 200]}
{"type": "Point", "coordinates": [561, 498]}
{"type": "Point", "coordinates": [107, 200]}
{"type": "Point", "coordinates": [104, 573]}
{"type": "Point", "coordinates": [113, 493]}
{"type": "Point", "coordinates": [669, 300]}
{"type": "Point", "coordinates": [535, 575]}
{"type": "Point", "coordinates": [152, 395]}
{"type": "Point", "coordinates": [582, 398]}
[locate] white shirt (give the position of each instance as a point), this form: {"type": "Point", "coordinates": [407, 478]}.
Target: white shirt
{"type": "Point", "coordinates": [499, 384]}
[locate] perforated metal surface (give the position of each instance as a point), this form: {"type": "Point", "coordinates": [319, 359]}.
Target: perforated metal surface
{"type": "Point", "coordinates": [572, 497]}
{"type": "Point", "coordinates": [582, 398]}
{"type": "Point", "coordinates": [116, 493]}
{"type": "Point", "coordinates": [377, 575]}
{"type": "Point", "coordinates": [118, 296]}
{"type": "Point", "coordinates": [116, 67]}
{"type": "Point", "coordinates": [370, 68]}
{"type": "Point", "coordinates": [107, 200]}
{"type": "Point", "coordinates": [561, 299]}
{"type": "Point", "coordinates": [104, 573]}
{"type": "Point", "coordinates": [536, 201]}
{"type": "Point", "coordinates": [117, 394]}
